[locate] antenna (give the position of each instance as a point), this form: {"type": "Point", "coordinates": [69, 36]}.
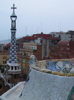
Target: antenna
{"type": "Point", "coordinates": [37, 29]}
{"type": "Point", "coordinates": [25, 30]}
{"type": "Point", "coordinates": [60, 25]}
{"type": "Point", "coordinates": [41, 26]}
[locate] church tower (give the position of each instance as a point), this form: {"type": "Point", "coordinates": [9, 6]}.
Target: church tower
{"type": "Point", "coordinates": [12, 64]}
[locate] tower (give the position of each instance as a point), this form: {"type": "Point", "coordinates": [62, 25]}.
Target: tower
{"type": "Point", "coordinates": [12, 63]}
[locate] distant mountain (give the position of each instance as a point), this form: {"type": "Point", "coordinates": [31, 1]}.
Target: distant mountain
{"type": "Point", "coordinates": [5, 41]}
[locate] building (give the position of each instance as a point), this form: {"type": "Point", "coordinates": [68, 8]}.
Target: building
{"type": "Point", "coordinates": [32, 48]}
{"type": "Point", "coordinates": [65, 49]}
{"type": "Point", "coordinates": [4, 85]}
{"type": "Point", "coordinates": [13, 69]}
{"type": "Point", "coordinates": [23, 61]}
{"type": "Point", "coordinates": [4, 55]}
{"type": "Point", "coordinates": [1, 47]}
{"type": "Point", "coordinates": [43, 41]}
{"type": "Point", "coordinates": [64, 36]}
{"type": "Point", "coordinates": [39, 45]}
{"type": "Point", "coordinates": [70, 34]}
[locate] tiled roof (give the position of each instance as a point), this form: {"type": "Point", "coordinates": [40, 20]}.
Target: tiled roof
{"type": "Point", "coordinates": [42, 35]}
{"type": "Point", "coordinates": [8, 45]}
{"type": "Point", "coordinates": [29, 37]}
{"type": "Point", "coordinates": [63, 42]}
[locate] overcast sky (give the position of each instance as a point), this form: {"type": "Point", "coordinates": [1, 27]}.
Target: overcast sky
{"type": "Point", "coordinates": [34, 16]}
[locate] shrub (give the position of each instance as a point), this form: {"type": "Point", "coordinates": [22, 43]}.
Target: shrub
{"type": "Point", "coordinates": [50, 72]}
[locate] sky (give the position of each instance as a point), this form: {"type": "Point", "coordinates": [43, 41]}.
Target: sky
{"type": "Point", "coordinates": [36, 16]}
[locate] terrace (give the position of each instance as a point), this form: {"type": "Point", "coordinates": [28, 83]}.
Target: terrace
{"type": "Point", "coordinates": [45, 81]}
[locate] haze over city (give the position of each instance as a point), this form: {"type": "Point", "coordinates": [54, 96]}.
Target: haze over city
{"type": "Point", "coordinates": [34, 16]}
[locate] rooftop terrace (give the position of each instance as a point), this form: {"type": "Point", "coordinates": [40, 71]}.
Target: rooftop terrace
{"type": "Point", "coordinates": [43, 84]}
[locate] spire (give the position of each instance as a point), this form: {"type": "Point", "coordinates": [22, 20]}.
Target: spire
{"type": "Point", "coordinates": [13, 14]}
{"type": "Point", "coordinates": [13, 62]}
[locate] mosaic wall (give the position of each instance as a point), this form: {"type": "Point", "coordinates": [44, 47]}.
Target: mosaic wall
{"type": "Point", "coordinates": [61, 66]}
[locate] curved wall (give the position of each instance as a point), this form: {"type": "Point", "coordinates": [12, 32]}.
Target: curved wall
{"type": "Point", "coordinates": [43, 86]}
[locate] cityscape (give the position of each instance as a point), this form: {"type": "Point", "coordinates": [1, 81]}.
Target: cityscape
{"type": "Point", "coordinates": [38, 66]}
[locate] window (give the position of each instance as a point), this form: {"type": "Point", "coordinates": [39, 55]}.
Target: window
{"type": "Point", "coordinates": [62, 48]}
{"type": "Point", "coordinates": [68, 44]}
{"type": "Point", "coordinates": [11, 67]}
{"type": "Point", "coordinates": [8, 81]}
{"type": "Point", "coordinates": [15, 68]}
{"type": "Point", "coordinates": [18, 67]}
{"type": "Point", "coordinates": [4, 57]}
{"type": "Point", "coordinates": [68, 48]}
{"type": "Point", "coordinates": [23, 61]}
{"type": "Point", "coordinates": [0, 86]}
{"type": "Point", "coordinates": [4, 62]}
{"type": "Point", "coordinates": [24, 54]}
{"type": "Point", "coordinates": [34, 51]}
{"type": "Point", "coordinates": [33, 47]}
{"type": "Point", "coordinates": [19, 60]}
{"type": "Point", "coordinates": [24, 47]}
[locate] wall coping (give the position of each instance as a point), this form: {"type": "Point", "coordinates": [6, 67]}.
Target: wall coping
{"type": "Point", "coordinates": [8, 95]}
{"type": "Point", "coordinates": [52, 72]}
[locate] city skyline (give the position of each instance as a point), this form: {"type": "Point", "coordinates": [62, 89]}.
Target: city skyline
{"type": "Point", "coordinates": [35, 16]}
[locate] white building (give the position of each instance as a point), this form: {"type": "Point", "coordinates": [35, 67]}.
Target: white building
{"type": "Point", "coordinates": [65, 36]}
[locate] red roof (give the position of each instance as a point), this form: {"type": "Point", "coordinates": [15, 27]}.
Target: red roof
{"type": "Point", "coordinates": [42, 35]}
{"type": "Point", "coordinates": [8, 45]}
{"type": "Point", "coordinates": [29, 37]}
{"type": "Point", "coordinates": [63, 42]}
{"type": "Point", "coordinates": [46, 36]}
{"type": "Point", "coordinates": [19, 39]}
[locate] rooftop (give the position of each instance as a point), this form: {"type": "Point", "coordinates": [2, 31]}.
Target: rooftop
{"type": "Point", "coordinates": [63, 42]}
